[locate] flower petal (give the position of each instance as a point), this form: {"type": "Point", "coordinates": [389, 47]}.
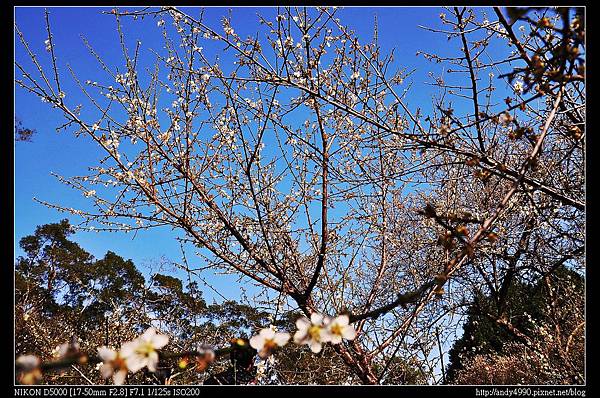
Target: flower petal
{"type": "Point", "coordinates": [316, 318]}
{"type": "Point", "coordinates": [342, 320]}
{"type": "Point", "coordinates": [106, 354]}
{"type": "Point", "coordinates": [128, 349]}
{"type": "Point", "coordinates": [152, 361]}
{"type": "Point", "coordinates": [257, 342]}
{"type": "Point", "coordinates": [303, 323]}
{"type": "Point", "coordinates": [160, 340]}
{"type": "Point", "coordinates": [335, 338]}
{"type": "Point", "coordinates": [315, 346]}
{"type": "Point", "coordinates": [28, 362]}
{"type": "Point", "coordinates": [349, 333]}
{"type": "Point", "coordinates": [300, 337]}
{"type": "Point", "coordinates": [267, 333]}
{"type": "Point", "coordinates": [106, 371]}
{"type": "Point", "coordinates": [119, 377]}
{"type": "Point", "coordinates": [135, 362]}
{"type": "Point", "coordinates": [148, 334]}
{"type": "Point", "coordinates": [282, 338]}
{"type": "Point", "coordinates": [325, 336]}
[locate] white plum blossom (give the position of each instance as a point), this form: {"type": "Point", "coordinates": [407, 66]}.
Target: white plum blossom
{"type": "Point", "coordinates": [267, 340]}
{"type": "Point", "coordinates": [28, 362]}
{"type": "Point", "coordinates": [312, 332]}
{"type": "Point", "coordinates": [142, 351]}
{"type": "Point", "coordinates": [444, 129]}
{"type": "Point", "coordinates": [518, 86]}
{"type": "Point", "coordinates": [289, 42]}
{"type": "Point", "coordinates": [30, 370]}
{"type": "Point", "coordinates": [113, 364]}
{"type": "Point", "coordinates": [505, 118]}
{"type": "Point", "coordinates": [339, 328]}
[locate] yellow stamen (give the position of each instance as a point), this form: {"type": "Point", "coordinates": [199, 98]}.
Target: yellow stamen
{"type": "Point", "coordinates": [315, 333]}
{"type": "Point", "coordinates": [145, 349]}
{"type": "Point", "coordinates": [336, 329]}
{"type": "Point", "coordinates": [270, 344]}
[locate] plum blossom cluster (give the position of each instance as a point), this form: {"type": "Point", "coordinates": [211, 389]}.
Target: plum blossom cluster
{"type": "Point", "coordinates": [132, 357]}
{"type": "Point", "coordinates": [142, 352]}
{"type": "Point", "coordinates": [314, 332]}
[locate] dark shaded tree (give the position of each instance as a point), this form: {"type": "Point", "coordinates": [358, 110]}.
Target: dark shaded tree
{"type": "Point", "coordinates": [545, 317]}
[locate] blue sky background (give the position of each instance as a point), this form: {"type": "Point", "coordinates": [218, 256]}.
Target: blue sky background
{"type": "Point", "coordinates": [63, 154]}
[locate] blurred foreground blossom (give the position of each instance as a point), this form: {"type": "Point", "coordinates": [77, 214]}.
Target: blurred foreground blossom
{"type": "Point", "coordinates": [142, 351]}
{"type": "Point", "coordinates": [312, 332]}
{"type": "Point", "coordinates": [268, 340]}
{"type": "Point", "coordinates": [112, 365]}
{"type": "Point", "coordinates": [31, 373]}
{"type": "Point", "coordinates": [339, 328]}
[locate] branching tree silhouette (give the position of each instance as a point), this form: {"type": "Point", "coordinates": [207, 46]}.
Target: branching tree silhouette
{"type": "Point", "coordinates": [295, 159]}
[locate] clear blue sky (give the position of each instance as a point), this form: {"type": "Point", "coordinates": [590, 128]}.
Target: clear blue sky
{"type": "Point", "coordinates": [63, 154]}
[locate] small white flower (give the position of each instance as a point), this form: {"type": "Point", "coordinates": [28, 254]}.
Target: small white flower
{"type": "Point", "coordinates": [289, 42]}
{"type": "Point", "coordinates": [355, 75]}
{"type": "Point", "coordinates": [28, 362]}
{"type": "Point", "coordinates": [30, 371]}
{"type": "Point", "coordinates": [161, 22]}
{"type": "Point", "coordinates": [518, 86]}
{"type": "Point", "coordinates": [142, 351]}
{"type": "Point", "coordinates": [267, 340]}
{"type": "Point", "coordinates": [205, 77]}
{"type": "Point", "coordinates": [312, 332]}
{"type": "Point", "coordinates": [444, 129]}
{"type": "Point", "coordinates": [339, 328]}
{"type": "Point", "coordinates": [505, 118]}
{"type": "Point", "coordinates": [112, 365]}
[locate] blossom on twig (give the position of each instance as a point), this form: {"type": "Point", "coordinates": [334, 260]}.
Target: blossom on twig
{"type": "Point", "coordinates": [268, 340]}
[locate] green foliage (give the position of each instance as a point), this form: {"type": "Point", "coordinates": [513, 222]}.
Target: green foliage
{"type": "Point", "coordinates": [526, 306]}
